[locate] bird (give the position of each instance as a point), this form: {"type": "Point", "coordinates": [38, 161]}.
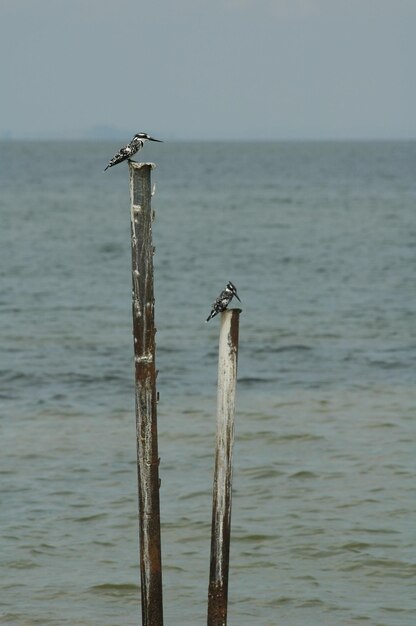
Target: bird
{"type": "Point", "coordinates": [131, 148]}
{"type": "Point", "coordinates": [223, 300]}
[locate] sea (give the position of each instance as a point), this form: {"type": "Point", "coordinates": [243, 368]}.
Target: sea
{"type": "Point", "coordinates": [320, 240]}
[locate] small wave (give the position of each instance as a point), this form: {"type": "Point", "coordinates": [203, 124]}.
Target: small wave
{"type": "Point", "coordinates": [115, 590]}
{"type": "Point", "coordinates": [389, 365]}
{"type": "Point", "coordinates": [90, 518]}
{"type": "Point", "coordinates": [22, 564]}
{"type": "Point", "coordinates": [355, 546]}
{"type": "Point", "coordinates": [255, 538]}
{"type": "Point", "coordinates": [110, 248]}
{"type": "Point", "coordinates": [312, 602]}
{"type": "Point", "coordinates": [253, 380]}
{"type": "Point", "coordinates": [303, 474]}
{"type": "Point", "coordinates": [300, 437]}
{"type": "Point", "coordinates": [292, 348]}
{"type": "Point", "coordinates": [282, 601]}
{"type": "Point", "coordinates": [267, 349]}
{"type": "Point", "coordinates": [261, 473]}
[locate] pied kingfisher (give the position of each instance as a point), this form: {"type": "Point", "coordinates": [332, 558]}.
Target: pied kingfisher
{"type": "Point", "coordinates": [223, 300]}
{"type": "Point", "coordinates": [134, 146]}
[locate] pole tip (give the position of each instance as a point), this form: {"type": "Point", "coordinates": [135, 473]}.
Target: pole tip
{"type": "Point", "coordinates": [134, 165]}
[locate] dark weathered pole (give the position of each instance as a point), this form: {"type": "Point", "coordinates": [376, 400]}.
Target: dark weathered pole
{"type": "Point", "coordinates": [145, 394]}
{"type": "Point", "coordinates": [222, 492]}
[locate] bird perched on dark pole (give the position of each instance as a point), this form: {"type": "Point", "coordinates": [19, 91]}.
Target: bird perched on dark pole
{"type": "Point", "coordinates": [223, 300]}
{"type": "Point", "coordinates": [126, 152]}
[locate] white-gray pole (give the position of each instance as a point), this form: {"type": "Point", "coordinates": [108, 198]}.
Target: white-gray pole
{"type": "Point", "coordinates": [222, 492]}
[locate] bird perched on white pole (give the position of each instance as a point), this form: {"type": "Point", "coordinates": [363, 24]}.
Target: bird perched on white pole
{"type": "Point", "coordinates": [223, 300]}
{"type": "Point", "coordinates": [126, 152]}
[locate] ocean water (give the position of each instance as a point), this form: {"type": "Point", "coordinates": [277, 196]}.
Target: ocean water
{"type": "Point", "coordinates": [320, 239]}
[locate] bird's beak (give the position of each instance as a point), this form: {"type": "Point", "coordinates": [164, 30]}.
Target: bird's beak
{"type": "Point", "coordinates": [158, 140]}
{"type": "Point", "coordinates": [237, 297]}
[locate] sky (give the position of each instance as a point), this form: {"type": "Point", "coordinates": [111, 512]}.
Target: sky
{"type": "Point", "coordinates": [199, 69]}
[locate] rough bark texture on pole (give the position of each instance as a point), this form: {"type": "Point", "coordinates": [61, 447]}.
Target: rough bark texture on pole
{"type": "Point", "coordinates": [222, 493]}
{"type": "Point", "coordinates": [145, 394]}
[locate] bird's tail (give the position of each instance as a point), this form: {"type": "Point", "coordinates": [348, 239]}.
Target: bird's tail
{"type": "Point", "coordinates": [211, 315]}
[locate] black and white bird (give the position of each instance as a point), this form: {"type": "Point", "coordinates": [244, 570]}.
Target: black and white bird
{"type": "Point", "coordinates": [126, 152]}
{"type": "Point", "coordinates": [223, 300]}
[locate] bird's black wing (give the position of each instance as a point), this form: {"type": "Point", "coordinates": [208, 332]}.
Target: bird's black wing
{"type": "Point", "coordinates": [124, 153]}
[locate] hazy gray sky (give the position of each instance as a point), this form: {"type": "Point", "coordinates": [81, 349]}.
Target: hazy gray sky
{"type": "Point", "coordinates": [206, 69]}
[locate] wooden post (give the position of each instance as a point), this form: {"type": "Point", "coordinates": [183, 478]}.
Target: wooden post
{"type": "Point", "coordinates": [145, 394]}
{"type": "Point", "coordinates": [222, 492]}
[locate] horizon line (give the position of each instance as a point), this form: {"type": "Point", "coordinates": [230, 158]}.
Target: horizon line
{"type": "Point", "coordinates": [5, 138]}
